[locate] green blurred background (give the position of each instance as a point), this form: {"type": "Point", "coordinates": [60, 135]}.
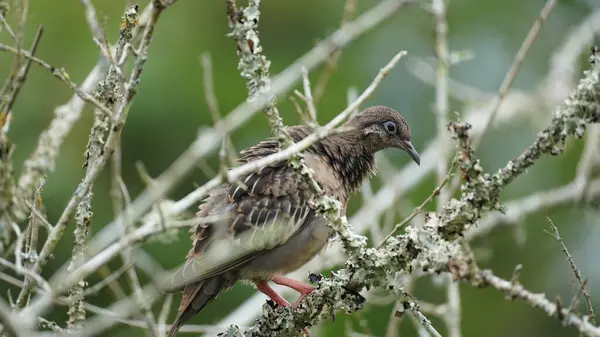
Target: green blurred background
{"type": "Point", "coordinates": [170, 107]}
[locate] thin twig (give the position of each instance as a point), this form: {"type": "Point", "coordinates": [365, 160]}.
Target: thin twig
{"type": "Point", "coordinates": [164, 313]}
{"type": "Point", "coordinates": [515, 67]}
{"type": "Point", "coordinates": [7, 27]}
{"type": "Point", "coordinates": [61, 74]}
{"type": "Point", "coordinates": [425, 322]}
{"type": "Point", "coordinates": [539, 300]}
{"type": "Point", "coordinates": [310, 104]}
{"type": "Point", "coordinates": [33, 230]}
{"type": "Point", "coordinates": [18, 37]}
{"type": "Point", "coordinates": [213, 106]}
{"type": "Point", "coordinates": [519, 209]}
{"type": "Point", "coordinates": [127, 257]}
{"type": "Point", "coordinates": [209, 88]}
{"type": "Point", "coordinates": [22, 271]}
{"type": "Point", "coordinates": [95, 28]}
{"type": "Point", "coordinates": [576, 271]}
{"type": "Point", "coordinates": [587, 160]}
{"type": "Point", "coordinates": [420, 208]}
{"type": "Point", "coordinates": [14, 86]}
{"type": "Point", "coordinates": [96, 288]}
{"type": "Point", "coordinates": [330, 65]}
{"type": "Point", "coordinates": [107, 93]}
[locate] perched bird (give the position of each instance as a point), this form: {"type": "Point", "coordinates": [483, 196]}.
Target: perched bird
{"type": "Point", "coordinates": [269, 228]}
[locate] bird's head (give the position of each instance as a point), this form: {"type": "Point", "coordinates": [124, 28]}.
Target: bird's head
{"type": "Point", "coordinates": [382, 127]}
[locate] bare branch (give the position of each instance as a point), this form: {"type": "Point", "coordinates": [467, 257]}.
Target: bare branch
{"type": "Point", "coordinates": [441, 92]}
{"type": "Point", "coordinates": [576, 271]}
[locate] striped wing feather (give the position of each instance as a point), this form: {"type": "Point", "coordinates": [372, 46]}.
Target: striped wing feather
{"type": "Point", "coordinates": [264, 211]}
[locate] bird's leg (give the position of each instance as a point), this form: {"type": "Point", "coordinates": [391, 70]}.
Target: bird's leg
{"type": "Point", "coordinates": [266, 289]}
{"type": "Point", "coordinates": [303, 288]}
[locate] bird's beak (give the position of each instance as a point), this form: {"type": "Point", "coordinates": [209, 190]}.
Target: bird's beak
{"type": "Point", "coordinates": [410, 149]}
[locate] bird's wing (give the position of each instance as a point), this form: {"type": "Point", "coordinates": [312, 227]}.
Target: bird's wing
{"type": "Point", "coordinates": [265, 211]}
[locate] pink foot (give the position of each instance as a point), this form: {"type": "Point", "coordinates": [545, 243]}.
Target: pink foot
{"type": "Point", "coordinates": [266, 289]}
{"type": "Point", "coordinates": [302, 288]}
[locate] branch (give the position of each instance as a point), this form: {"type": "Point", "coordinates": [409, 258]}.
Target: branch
{"type": "Point", "coordinates": [576, 271]}
{"type": "Point", "coordinates": [62, 280]}
{"type": "Point", "coordinates": [517, 105]}
{"type": "Point", "coordinates": [515, 67]}
{"type": "Point", "coordinates": [107, 93]}
{"type": "Point", "coordinates": [516, 290]}
{"type": "Point", "coordinates": [254, 68]}
{"type": "Point", "coordinates": [210, 139]}
{"type": "Point", "coordinates": [441, 91]}
{"type": "Point", "coordinates": [41, 162]}
{"type": "Point", "coordinates": [118, 121]}
{"type": "Point", "coordinates": [59, 73]}
{"type": "Point", "coordinates": [432, 246]}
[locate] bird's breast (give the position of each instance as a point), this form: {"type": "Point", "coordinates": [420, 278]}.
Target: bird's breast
{"type": "Point", "coordinates": [296, 252]}
{"type": "Point", "coordinates": [326, 175]}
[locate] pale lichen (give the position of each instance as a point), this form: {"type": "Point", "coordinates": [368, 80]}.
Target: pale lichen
{"type": "Point", "coordinates": [254, 68]}
{"type": "Point", "coordinates": [7, 182]}
{"type": "Point", "coordinates": [108, 93]}
{"type": "Point", "coordinates": [431, 246]}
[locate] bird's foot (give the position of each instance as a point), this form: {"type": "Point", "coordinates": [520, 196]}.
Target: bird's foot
{"type": "Point", "coordinates": [300, 298]}
{"type": "Point", "coordinates": [266, 289]}
{"type": "Point", "coordinates": [303, 288]}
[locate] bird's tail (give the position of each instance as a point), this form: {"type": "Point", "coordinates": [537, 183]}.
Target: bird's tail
{"type": "Point", "coordinates": [195, 297]}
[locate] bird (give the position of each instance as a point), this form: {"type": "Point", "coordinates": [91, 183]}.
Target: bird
{"type": "Point", "coordinates": [269, 228]}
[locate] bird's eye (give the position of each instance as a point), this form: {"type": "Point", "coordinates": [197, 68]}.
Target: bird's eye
{"type": "Point", "coordinates": [390, 127]}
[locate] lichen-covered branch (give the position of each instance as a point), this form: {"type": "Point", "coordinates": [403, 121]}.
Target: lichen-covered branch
{"type": "Point", "coordinates": [570, 119]}
{"type": "Point", "coordinates": [210, 139]}
{"type": "Point", "coordinates": [106, 244]}
{"type": "Point", "coordinates": [7, 183]}
{"type": "Point", "coordinates": [431, 247]}
{"type": "Point", "coordinates": [41, 161]}
{"type": "Point", "coordinates": [63, 281]}
{"type": "Point", "coordinates": [576, 271]}
{"type": "Point", "coordinates": [420, 249]}
{"type": "Point", "coordinates": [538, 300]}
{"type": "Point", "coordinates": [254, 68]}
{"type": "Point", "coordinates": [117, 123]}
{"type": "Point", "coordinates": [108, 93]}
{"type": "Point", "coordinates": [8, 96]}
{"type": "Point", "coordinates": [515, 67]}
{"type": "Point", "coordinates": [59, 73]}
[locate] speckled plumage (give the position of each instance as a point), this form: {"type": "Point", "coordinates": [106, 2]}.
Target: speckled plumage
{"type": "Point", "coordinates": [270, 225]}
